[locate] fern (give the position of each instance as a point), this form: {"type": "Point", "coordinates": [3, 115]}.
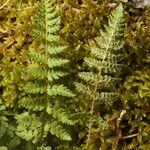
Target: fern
{"type": "Point", "coordinates": [60, 114]}
{"type": "Point", "coordinates": [44, 92]}
{"type": "Point", "coordinates": [104, 66]}
{"type": "Point", "coordinates": [37, 58]}
{"type": "Point", "coordinates": [59, 90]}
{"type": "Point", "coordinates": [29, 126]}
{"type": "Point", "coordinates": [36, 105]}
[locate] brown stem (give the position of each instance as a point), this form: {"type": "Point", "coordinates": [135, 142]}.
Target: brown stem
{"type": "Point", "coordinates": [90, 120]}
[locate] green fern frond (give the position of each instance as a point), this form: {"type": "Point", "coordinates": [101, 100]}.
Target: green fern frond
{"type": "Point", "coordinates": [61, 115]}
{"type": "Point", "coordinates": [57, 129]}
{"type": "Point", "coordinates": [39, 73]}
{"type": "Point", "coordinates": [104, 62]}
{"type": "Point", "coordinates": [59, 90]}
{"type": "Point", "coordinates": [86, 90]}
{"type": "Point", "coordinates": [114, 29]}
{"type": "Point", "coordinates": [105, 57]}
{"type": "Point", "coordinates": [43, 89]}
{"type": "Point", "coordinates": [34, 88]}
{"type": "Point", "coordinates": [55, 75]}
{"type": "Point", "coordinates": [29, 127]}
{"type": "Point", "coordinates": [37, 58]}
{"type": "Point", "coordinates": [30, 104]}
{"type": "Point", "coordinates": [108, 98]}
{"type": "Point", "coordinates": [55, 49]}
{"type": "Point", "coordinates": [36, 33]}
{"type": "Point", "coordinates": [53, 21]}
{"type": "Point", "coordinates": [52, 38]}
{"type": "Point", "coordinates": [105, 81]}
{"type": "Point", "coordinates": [106, 66]}
{"type": "Point", "coordinates": [56, 62]}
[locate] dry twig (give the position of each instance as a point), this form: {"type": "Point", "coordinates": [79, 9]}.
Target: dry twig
{"type": "Point", "coordinates": [4, 4]}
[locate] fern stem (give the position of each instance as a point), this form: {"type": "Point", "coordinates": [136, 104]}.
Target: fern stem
{"type": "Point", "coordinates": [90, 120]}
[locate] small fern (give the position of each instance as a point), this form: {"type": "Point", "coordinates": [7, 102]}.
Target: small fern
{"type": "Point", "coordinates": [44, 93]}
{"type": "Point", "coordinates": [104, 65]}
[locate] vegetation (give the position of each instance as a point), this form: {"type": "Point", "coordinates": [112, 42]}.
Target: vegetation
{"type": "Point", "coordinates": [74, 75]}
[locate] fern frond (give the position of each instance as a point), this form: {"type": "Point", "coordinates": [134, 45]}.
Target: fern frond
{"type": "Point", "coordinates": [110, 56]}
{"type": "Point", "coordinates": [29, 127]}
{"type": "Point", "coordinates": [104, 61]}
{"type": "Point", "coordinates": [56, 62]}
{"type": "Point", "coordinates": [59, 90]}
{"type": "Point", "coordinates": [55, 49]}
{"type": "Point", "coordinates": [36, 33]}
{"type": "Point", "coordinates": [39, 73]}
{"type": "Point", "coordinates": [41, 93]}
{"type": "Point", "coordinates": [37, 58]}
{"type": "Point", "coordinates": [108, 98]}
{"type": "Point", "coordinates": [57, 129]}
{"type": "Point", "coordinates": [61, 115]}
{"type": "Point", "coordinates": [55, 75]}
{"type": "Point", "coordinates": [52, 38]}
{"type": "Point", "coordinates": [105, 81]}
{"type": "Point", "coordinates": [30, 104]}
{"type": "Point", "coordinates": [53, 21]}
{"type": "Point", "coordinates": [106, 66]}
{"type": "Point", "coordinates": [86, 90]}
{"type": "Point", "coordinates": [34, 88]}
{"type": "Point", "coordinates": [114, 29]}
